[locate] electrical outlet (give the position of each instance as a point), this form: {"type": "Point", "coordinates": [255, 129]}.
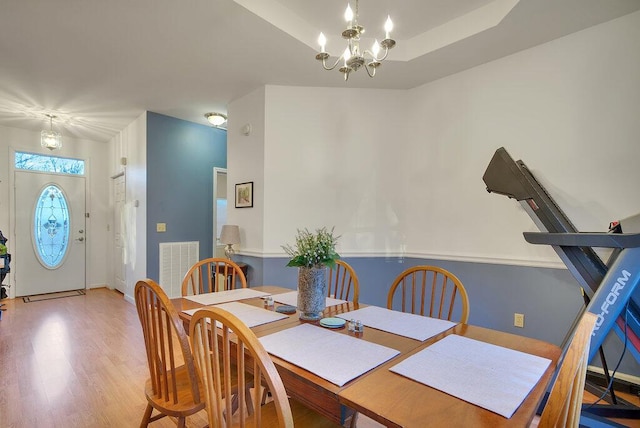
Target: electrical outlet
{"type": "Point", "coordinates": [161, 227]}
{"type": "Point", "coordinates": [518, 320]}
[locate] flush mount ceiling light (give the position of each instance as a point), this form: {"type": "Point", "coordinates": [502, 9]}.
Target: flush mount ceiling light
{"type": "Point", "coordinates": [51, 139]}
{"type": "Point", "coordinates": [354, 58]}
{"type": "Point", "coordinates": [216, 119]}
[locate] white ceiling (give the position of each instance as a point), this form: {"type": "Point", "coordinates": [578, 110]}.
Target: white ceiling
{"type": "Point", "coordinates": [99, 64]}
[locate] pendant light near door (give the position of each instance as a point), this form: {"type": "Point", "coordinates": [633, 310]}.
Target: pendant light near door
{"type": "Point", "coordinates": [51, 139]}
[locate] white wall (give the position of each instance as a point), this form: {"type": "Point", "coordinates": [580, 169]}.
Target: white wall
{"type": "Point", "coordinates": [97, 194]}
{"type": "Point", "coordinates": [330, 160]}
{"type": "Point", "coordinates": [246, 162]}
{"type": "Point", "coordinates": [131, 143]}
{"type": "Point", "coordinates": [400, 172]}
{"type": "Point", "coordinates": [568, 108]}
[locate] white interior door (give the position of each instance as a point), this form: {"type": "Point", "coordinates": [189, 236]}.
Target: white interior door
{"type": "Point", "coordinates": [50, 233]}
{"type": "Point", "coordinates": [118, 233]}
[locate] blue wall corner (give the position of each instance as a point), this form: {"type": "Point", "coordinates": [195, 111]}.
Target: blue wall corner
{"type": "Point", "coordinates": [181, 156]}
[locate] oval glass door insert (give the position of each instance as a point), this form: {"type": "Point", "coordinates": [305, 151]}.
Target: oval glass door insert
{"type": "Point", "coordinates": [51, 227]}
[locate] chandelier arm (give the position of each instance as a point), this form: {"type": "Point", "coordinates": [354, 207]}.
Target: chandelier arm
{"type": "Point", "coordinates": [386, 52]}
{"type": "Point", "coordinates": [324, 64]}
{"type": "Point", "coordinates": [375, 58]}
{"type": "Point", "coordinates": [369, 72]}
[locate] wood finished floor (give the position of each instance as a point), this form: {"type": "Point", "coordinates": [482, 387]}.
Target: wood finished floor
{"type": "Point", "coordinates": [80, 362]}
{"type": "Point", "coordinates": [589, 398]}
{"type": "Point", "coordinates": [76, 362]}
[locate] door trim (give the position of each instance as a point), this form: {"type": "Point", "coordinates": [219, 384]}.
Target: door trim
{"type": "Point", "coordinates": [216, 171]}
{"type": "Point", "coordinates": [11, 234]}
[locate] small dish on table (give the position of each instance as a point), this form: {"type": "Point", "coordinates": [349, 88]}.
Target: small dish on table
{"type": "Point", "coordinates": [332, 322]}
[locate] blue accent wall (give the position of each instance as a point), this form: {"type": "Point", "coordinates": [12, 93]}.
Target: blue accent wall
{"type": "Point", "coordinates": [495, 291]}
{"type": "Point", "coordinates": [181, 156]}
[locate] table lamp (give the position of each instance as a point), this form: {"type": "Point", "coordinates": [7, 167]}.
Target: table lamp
{"type": "Point", "coordinates": [230, 235]}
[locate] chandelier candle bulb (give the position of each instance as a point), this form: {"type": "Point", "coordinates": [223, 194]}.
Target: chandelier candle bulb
{"type": "Point", "coordinates": [375, 49]}
{"type": "Point", "coordinates": [388, 26]}
{"type": "Point", "coordinates": [348, 15]}
{"type": "Point", "coordinates": [322, 40]}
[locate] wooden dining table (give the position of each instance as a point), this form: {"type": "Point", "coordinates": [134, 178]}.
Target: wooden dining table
{"type": "Point", "coordinates": [387, 397]}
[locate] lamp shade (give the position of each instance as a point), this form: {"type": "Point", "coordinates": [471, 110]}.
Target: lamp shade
{"type": "Point", "coordinates": [230, 234]}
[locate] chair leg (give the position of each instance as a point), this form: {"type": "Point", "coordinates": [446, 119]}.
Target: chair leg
{"type": "Point", "coordinates": [234, 403]}
{"type": "Point", "coordinates": [182, 422]}
{"type": "Point", "coordinates": [265, 395]}
{"type": "Point", "coordinates": [354, 420]}
{"type": "Point", "coordinates": [147, 416]}
{"type": "Point", "coordinates": [248, 400]}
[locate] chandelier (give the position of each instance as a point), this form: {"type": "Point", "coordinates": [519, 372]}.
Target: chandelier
{"type": "Point", "coordinates": [51, 139]}
{"type": "Point", "coordinates": [353, 57]}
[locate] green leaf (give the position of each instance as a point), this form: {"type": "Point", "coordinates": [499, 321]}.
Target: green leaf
{"type": "Point", "coordinates": [313, 249]}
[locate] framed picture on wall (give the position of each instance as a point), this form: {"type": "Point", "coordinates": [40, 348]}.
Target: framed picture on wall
{"type": "Point", "coordinates": [244, 195]}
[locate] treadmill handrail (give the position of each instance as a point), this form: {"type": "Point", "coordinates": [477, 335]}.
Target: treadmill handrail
{"type": "Point", "coordinates": [585, 239]}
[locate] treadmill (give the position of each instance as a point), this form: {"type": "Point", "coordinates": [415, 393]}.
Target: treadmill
{"type": "Point", "coordinates": [608, 288]}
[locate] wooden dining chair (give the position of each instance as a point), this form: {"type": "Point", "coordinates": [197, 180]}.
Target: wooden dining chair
{"type": "Point", "coordinates": [565, 400]}
{"type": "Point", "coordinates": [173, 387]}
{"type": "Point", "coordinates": [235, 348]}
{"type": "Point", "coordinates": [429, 291]}
{"type": "Point", "coordinates": [342, 282]}
{"type": "Point", "coordinates": [212, 274]}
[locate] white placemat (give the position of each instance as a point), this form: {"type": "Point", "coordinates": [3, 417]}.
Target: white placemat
{"type": "Point", "coordinates": [225, 296]}
{"type": "Point", "coordinates": [489, 376]}
{"type": "Point", "coordinates": [335, 357]}
{"type": "Point", "coordinates": [291, 298]}
{"type": "Point", "coordinates": [408, 325]}
{"type": "Point", "coordinates": [248, 314]}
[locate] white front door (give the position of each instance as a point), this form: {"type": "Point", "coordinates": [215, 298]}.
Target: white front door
{"type": "Point", "coordinates": [49, 254]}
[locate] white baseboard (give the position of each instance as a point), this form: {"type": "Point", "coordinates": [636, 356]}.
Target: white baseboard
{"type": "Point", "coordinates": [621, 376]}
